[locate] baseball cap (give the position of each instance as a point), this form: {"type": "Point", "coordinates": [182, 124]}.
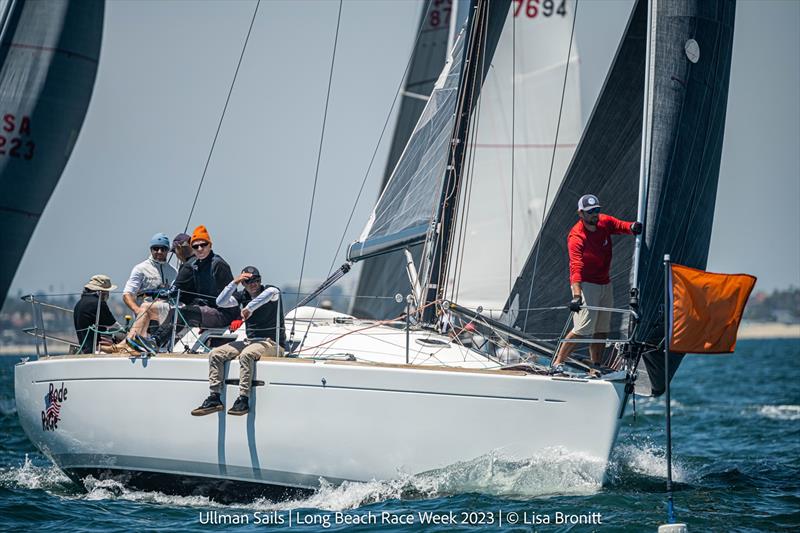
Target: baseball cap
{"type": "Point", "coordinates": [251, 270]}
{"type": "Point", "coordinates": [588, 201]}
{"type": "Point", "coordinates": [180, 238]}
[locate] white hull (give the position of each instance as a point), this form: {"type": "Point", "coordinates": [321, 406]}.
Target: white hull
{"type": "Point", "coordinates": [337, 420]}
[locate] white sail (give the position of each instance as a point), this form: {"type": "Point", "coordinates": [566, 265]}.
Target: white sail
{"type": "Point", "coordinates": [524, 87]}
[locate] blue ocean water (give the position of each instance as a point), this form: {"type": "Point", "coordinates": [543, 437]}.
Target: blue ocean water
{"type": "Point", "coordinates": [736, 435]}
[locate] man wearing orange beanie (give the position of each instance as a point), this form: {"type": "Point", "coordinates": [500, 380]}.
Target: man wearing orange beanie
{"type": "Point", "coordinates": [200, 280]}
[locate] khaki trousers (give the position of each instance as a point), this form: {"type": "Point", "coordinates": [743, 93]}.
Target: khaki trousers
{"type": "Point", "coordinates": [248, 353]}
{"type": "Point", "coordinates": [585, 322]}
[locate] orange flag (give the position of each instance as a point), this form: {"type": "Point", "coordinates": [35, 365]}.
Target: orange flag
{"type": "Point", "coordinates": [706, 309]}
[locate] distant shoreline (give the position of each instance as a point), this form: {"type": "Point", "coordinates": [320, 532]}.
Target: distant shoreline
{"type": "Point", "coordinates": [747, 331]}
{"type": "Point", "coordinates": [768, 330]}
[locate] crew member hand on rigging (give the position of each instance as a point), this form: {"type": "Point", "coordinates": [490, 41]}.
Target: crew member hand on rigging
{"type": "Point", "coordinates": [589, 246]}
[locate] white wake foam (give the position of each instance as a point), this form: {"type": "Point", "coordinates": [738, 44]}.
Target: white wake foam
{"type": "Point", "coordinates": [645, 459]}
{"type": "Point", "coordinates": [780, 412]}
{"type": "Point", "coordinates": [30, 476]}
{"type": "Point", "coordinates": [552, 473]}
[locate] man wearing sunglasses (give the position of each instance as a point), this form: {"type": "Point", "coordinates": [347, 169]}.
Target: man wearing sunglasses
{"type": "Point", "coordinates": [589, 246]}
{"type": "Point", "coordinates": [262, 313]}
{"type": "Point", "coordinates": [200, 280]}
{"type": "Point", "coordinates": [146, 279]}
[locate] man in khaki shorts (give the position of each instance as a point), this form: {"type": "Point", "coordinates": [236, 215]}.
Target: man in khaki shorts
{"type": "Point", "coordinates": [589, 245]}
{"type": "Point", "coordinates": [263, 317]}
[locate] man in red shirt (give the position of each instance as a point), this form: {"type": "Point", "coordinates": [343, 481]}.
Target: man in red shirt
{"type": "Point", "coordinates": [589, 245]}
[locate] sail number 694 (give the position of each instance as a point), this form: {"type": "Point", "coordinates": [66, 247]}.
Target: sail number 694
{"type": "Point", "coordinates": [547, 8]}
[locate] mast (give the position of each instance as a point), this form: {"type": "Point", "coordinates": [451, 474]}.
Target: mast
{"type": "Point", "coordinates": [442, 226]}
{"type": "Point", "coordinates": [647, 127]}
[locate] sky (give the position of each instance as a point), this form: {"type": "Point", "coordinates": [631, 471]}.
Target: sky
{"type": "Point", "coordinates": [164, 75]}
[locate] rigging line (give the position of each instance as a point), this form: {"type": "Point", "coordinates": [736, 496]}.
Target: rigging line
{"type": "Point", "coordinates": [378, 144]}
{"type": "Point", "coordinates": [369, 167]}
{"type": "Point", "coordinates": [222, 117]}
{"type": "Point", "coordinates": [453, 194]}
{"type": "Point", "coordinates": [513, 142]}
{"type": "Point", "coordinates": [552, 161]}
{"type": "Point", "coordinates": [469, 180]}
{"type": "Point", "coordinates": [319, 157]}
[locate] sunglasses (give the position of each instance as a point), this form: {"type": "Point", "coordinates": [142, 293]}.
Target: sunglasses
{"type": "Point", "coordinates": [162, 249]}
{"type": "Point", "coordinates": [199, 245]}
{"type": "Point", "coordinates": [592, 211]}
{"type": "Point", "coordinates": [253, 280]}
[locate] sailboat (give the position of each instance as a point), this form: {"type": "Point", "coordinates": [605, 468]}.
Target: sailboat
{"type": "Point", "coordinates": [49, 52]}
{"type": "Point", "coordinates": [360, 399]}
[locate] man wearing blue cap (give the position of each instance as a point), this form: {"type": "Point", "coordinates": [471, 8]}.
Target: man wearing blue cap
{"type": "Point", "coordinates": [146, 278]}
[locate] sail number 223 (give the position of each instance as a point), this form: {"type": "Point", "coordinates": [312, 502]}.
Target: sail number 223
{"type": "Point", "coordinates": [15, 138]}
{"type": "Point", "coordinates": [533, 8]}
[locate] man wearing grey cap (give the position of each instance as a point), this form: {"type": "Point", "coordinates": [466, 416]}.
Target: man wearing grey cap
{"type": "Point", "coordinates": [263, 317]}
{"type": "Point", "coordinates": [589, 245]}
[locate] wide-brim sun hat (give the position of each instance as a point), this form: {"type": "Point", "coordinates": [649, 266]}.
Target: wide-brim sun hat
{"type": "Point", "coordinates": [100, 282]}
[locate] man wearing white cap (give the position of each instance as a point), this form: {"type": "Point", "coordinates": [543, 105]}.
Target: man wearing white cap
{"type": "Point", "coordinates": [589, 245]}
{"type": "Point", "coordinates": [92, 312]}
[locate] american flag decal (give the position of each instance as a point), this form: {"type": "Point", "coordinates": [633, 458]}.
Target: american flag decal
{"type": "Point", "coordinates": [51, 415]}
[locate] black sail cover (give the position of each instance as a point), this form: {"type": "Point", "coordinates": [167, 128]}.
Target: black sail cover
{"type": "Point", "coordinates": [384, 276]}
{"type": "Point", "coordinates": [49, 51]}
{"type": "Point", "coordinates": [689, 106]}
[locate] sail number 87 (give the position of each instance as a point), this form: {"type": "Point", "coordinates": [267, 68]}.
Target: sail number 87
{"type": "Point", "coordinates": [532, 8]}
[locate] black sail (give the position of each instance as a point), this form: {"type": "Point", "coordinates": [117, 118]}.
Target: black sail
{"type": "Point", "coordinates": [384, 276]}
{"type": "Point", "coordinates": [49, 51]}
{"type": "Point", "coordinates": [689, 108]}
{"type": "Point", "coordinates": [606, 163]}
{"type": "Point", "coordinates": [689, 123]}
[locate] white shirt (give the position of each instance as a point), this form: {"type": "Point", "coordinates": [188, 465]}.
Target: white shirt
{"type": "Point", "coordinates": [149, 275]}
{"type": "Point", "coordinates": [226, 299]}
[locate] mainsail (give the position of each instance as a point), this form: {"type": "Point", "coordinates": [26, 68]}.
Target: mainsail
{"type": "Point", "coordinates": [49, 53]}
{"type": "Point", "coordinates": [691, 58]}
{"type": "Point", "coordinates": [384, 276]}
{"type": "Point", "coordinates": [523, 87]}
{"type": "Point", "coordinates": [411, 202]}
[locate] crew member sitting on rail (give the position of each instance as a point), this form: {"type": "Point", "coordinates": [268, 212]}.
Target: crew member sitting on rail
{"type": "Point", "coordinates": [140, 292]}
{"type": "Point", "coordinates": [589, 245]}
{"type": "Point", "coordinates": [262, 313]}
{"type": "Point", "coordinates": [200, 280]}
{"type": "Point", "coordinates": [92, 311]}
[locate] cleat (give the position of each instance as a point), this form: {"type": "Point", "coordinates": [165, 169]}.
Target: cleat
{"type": "Point", "coordinates": [240, 407]}
{"type": "Point", "coordinates": [212, 404]}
